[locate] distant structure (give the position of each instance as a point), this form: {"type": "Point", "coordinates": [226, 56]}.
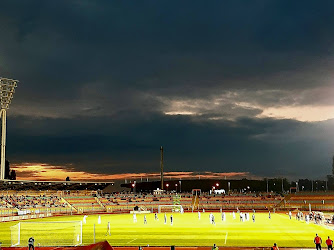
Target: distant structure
{"type": "Point", "coordinates": [13, 175]}
{"type": "Point", "coordinates": [330, 177]}
{"type": "Point", "coordinates": [7, 170]}
{"type": "Point", "coordinates": [9, 174]}
{"type": "Point", "coordinates": [333, 166]}
{"type": "Point", "coordinates": [162, 167]}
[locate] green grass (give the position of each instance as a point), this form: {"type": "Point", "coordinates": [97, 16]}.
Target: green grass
{"type": "Point", "coordinates": [188, 230]}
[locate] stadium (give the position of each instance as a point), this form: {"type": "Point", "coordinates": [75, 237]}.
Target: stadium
{"type": "Point", "coordinates": [65, 214]}
{"type": "Point", "coordinates": [239, 94]}
{"type": "Point", "coordinates": [183, 214]}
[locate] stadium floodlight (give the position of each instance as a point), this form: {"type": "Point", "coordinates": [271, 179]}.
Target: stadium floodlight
{"type": "Point", "coordinates": [7, 89]}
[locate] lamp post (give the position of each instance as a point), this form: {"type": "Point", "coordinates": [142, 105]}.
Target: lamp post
{"type": "Point", "coordinates": [7, 89]}
{"type": "Point", "coordinates": [167, 185]}
{"type": "Point", "coordinates": [326, 186]}
{"type": "Point", "coordinates": [312, 185]}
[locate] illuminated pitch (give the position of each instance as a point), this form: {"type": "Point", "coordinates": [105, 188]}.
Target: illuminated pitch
{"type": "Point", "coordinates": [188, 230]}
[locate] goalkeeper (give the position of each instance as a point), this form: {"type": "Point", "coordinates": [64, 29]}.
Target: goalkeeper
{"type": "Point", "coordinates": [31, 242]}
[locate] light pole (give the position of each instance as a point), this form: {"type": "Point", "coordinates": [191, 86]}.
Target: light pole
{"type": "Point", "coordinates": [167, 185]}
{"type": "Point", "coordinates": [312, 185]}
{"type": "Point", "coordinates": [326, 186]}
{"type": "Point", "coordinates": [7, 89]}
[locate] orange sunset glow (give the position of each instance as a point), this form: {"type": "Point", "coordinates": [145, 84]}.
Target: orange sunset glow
{"type": "Point", "coordinates": [42, 172]}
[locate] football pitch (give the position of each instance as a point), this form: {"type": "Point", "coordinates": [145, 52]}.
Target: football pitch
{"type": "Point", "coordinates": [187, 230]}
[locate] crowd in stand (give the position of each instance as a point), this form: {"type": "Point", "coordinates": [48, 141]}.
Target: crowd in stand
{"type": "Point", "coordinates": [186, 198]}
{"type": "Point", "coordinates": [26, 201]}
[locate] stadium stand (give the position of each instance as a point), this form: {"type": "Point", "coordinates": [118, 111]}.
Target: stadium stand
{"type": "Point", "coordinates": [84, 204]}
{"type": "Point", "coordinates": [34, 199]}
{"type": "Point", "coordinates": [323, 201]}
{"type": "Point", "coordinates": [123, 202]}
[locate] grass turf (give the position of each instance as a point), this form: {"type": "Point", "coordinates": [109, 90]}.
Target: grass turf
{"type": "Point", "coordinates": [187, 230]}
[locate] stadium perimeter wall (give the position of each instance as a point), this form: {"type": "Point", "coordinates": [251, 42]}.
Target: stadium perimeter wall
{"type": "Point", "coordinates": [105, 246]}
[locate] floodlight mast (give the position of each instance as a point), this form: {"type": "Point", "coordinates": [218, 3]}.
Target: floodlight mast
{"type": "Point", "coordinates": [7, 89]}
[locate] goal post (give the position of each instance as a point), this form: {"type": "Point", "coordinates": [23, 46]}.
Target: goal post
{"type": "Point", "coordinates": [50, 233]}
{"type": "Point", "coordinates": [15, 234]}
{"type": "Point", "coordinates": [170, 209]}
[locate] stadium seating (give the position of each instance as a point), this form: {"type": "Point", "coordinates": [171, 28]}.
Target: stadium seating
{"type": "Point", "coordinates": [12, 203]}
{"type": "Point", "coordinates": [323, 201]}
{"type": "Point", "coordinates": [124, 202]}
{"type": "Point", "coordinates": [85, 203]}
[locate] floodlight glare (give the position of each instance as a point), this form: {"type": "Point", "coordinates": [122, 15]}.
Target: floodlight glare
{"type": "Point", "coordinates": [7, 90]}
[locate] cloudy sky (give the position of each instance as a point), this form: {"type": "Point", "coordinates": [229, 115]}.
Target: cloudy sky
{"type": "Point", "coordinates": [236, 88]}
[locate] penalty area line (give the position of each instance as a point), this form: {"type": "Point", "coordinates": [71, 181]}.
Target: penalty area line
{"type": "Point", "coordinates": [131, 241]}
{"type": "Point", "coordinates": [226, 238]}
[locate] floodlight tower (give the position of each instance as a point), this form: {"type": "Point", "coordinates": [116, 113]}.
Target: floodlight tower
{"type": "Point", "coordinates": [162, 167]}
{"type": "Point", "coordinates": [7, 89]}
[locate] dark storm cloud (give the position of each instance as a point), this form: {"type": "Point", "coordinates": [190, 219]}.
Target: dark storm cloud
{"type": "Point", "coordinates": [262, 147]}
{"type": "Point", "coordinates": [175, 44]}
{"type": "Point", "coordinates": [97, 77]}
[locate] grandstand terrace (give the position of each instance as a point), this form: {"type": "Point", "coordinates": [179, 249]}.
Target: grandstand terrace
{"type": "Point", "coordinates": [321, 201]}
{"type": "Point", "coordinates": [63, 197]}
{"type": "Point", "coordinates": [49, 197]}
{"type": "Point", "coordinates": [124, 202]}
{"type": "Point", "coordinates": [85, 203]}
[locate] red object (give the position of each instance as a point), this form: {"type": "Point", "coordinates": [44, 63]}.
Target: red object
{"type": "Point", "coordinates": [329, 242]}
{"type": "Point", "coordinates": [317, 240]}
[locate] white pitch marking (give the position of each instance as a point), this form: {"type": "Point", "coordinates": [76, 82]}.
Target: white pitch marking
{"type": "Point", "coordinates": [226, 238]}
{"type": "Point", "coordinates": [131, 241]}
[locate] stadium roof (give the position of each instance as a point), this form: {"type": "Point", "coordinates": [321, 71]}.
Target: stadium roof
{"type": "Point", "coordinates": [52, 185]}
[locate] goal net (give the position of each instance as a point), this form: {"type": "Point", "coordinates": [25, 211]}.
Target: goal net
{"type": "Point", "coordinates": [170, 209]}
{"type": "Point", "coordinates": [62, 233]}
